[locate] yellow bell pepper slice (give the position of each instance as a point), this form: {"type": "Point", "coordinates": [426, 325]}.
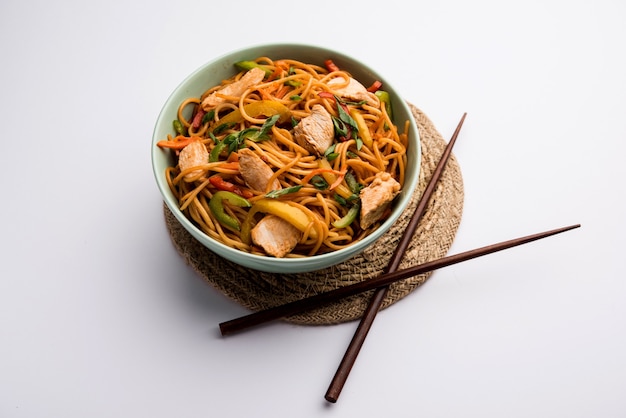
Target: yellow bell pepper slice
{"type": "Point", "coordinates": [364, 131]}
{"type": "Point", "coordinates": [256, 109]}
{"type": "Point", "coordinates": [342, 190]}
{"type": "Point", "coordinates": [292, 214]}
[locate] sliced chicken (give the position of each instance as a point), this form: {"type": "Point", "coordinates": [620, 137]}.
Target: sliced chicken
{"type": "Point", "coordinates": [193, 155]}
{"type": "Point", "coordinates": [376, 197]}
{"type": "Point", "coordinates": [315, 132]}
{"type": "Point", "coordinates": [249, 79]}
{"type": "Point", "coordinates": [276, 236]}
{"type": "Point", "coordinates": [354, 91]}
{"type": "Point", "coordinates": [255, 172]}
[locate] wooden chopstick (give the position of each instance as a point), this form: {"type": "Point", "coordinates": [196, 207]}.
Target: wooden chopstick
{"type": "Point", "coordinates": [292, 308]}
{"type": "Point", "coordinates": [341, 375]}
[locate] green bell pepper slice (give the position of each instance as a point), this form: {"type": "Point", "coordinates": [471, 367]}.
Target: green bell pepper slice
{"type": "Point", "coordinates": [248, 65]}
{"type": "Point", "coordinates": [214, 156]}
{"type": "Point", "coordinates": [383, 96]}
{"type": "Point", "coordinates": [216, 204]}
{"type": "Point", "coordinates": [349, 217]}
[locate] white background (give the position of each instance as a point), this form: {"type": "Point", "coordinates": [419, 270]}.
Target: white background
{"type": "Point", "coordinates": [100, 317]}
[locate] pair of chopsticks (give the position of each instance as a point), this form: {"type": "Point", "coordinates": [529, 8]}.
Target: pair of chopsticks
{"type": "Point", "coordinates": [377, 299]}
{"type": "Point", "coordinates": [380, 283]}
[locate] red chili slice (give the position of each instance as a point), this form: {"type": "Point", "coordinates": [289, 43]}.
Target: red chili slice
{"type": "Point", "coordinates": [330, 65]}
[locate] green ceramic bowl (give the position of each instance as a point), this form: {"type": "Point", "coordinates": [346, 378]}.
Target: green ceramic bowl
{"type": "Point", "coordinates": [221, 68]}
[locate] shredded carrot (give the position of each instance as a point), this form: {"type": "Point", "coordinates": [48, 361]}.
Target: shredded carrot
{"type": "Point", "coordinates": [338, 181]}
{"type": "Point", "coordinates": [280, 93]}
{"type": "Point", "coordinates": [266, 94]}
{"type": "Point", "coordinates": [282, 64]}
{"type": "Point", "coordinates": [179, 142]}
{"type": "Point", "coordinates": [280, 67]}
{"type": "Point", "coordinates": [232, 165]}
{"type": "Point", "coordinates": [276, 74]}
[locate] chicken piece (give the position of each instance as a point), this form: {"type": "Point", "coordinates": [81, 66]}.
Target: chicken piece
{"type": "Point", "coordinates": [354, 91]}
{"type": "Point", "coordinates": [315, 132]}
{"type": "Point", "coordinates": [276, 236]}
{"type": "Point", "coordinates": [255, 172]}
{"type": "Point", "coordinates": [194, 154]}
{"type": "Point", "coordinates": [249, 79]}
{"type": "Point", "coordinates": [376, 197]}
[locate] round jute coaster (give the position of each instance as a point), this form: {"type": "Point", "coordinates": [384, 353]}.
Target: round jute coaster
{"type": "Point", "coordinates": [258, 290]}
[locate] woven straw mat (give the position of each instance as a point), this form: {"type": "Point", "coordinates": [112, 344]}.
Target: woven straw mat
{"type": "Point", "coordinates": [258, 290]}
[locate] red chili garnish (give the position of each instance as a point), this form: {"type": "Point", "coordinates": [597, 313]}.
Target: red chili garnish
{"type": "Point", "coordinates": [219, 183]}
{"type": "Point", "coordinates": [326, 95]}
{"type": "Point", "coordinates": [376, 85]}
{"type": "Point", "coordinates": [197, 119]}
{"type": "Point", "coordinates": [330, 65]}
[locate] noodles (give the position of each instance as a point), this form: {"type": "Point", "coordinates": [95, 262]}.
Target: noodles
{"type": "Point", "coordinates": [319, 134]}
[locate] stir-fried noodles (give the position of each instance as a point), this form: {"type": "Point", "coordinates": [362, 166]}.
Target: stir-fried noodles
{"type": "Point", "coordinates": [287, 158]}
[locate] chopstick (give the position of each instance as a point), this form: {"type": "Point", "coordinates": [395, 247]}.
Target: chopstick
{"type": "Point", "coordinates": [345, 366]}
{"type": "Point", "coordinates": [301, 305]}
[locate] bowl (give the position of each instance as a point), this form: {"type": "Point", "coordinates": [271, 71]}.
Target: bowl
{"type": "Point", "coordinates": [212, 73]}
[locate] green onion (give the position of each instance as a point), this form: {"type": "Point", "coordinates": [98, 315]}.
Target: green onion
{"type": "Point", "coordinates": [353, 184]}
{"type": "Point", "coordinates": [208, 116]}
{"type": "Point", "coordinates": [277, 193]}
{"type": "Point", "coordinates": [221, 128]}
{"type": "Point", "coordinates": [178, 127]}
{"type": "Point", "coordinates": [319, 182]}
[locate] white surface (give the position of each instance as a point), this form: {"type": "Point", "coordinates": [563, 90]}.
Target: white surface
{"type": "Point", "coordinates": [99, 316]}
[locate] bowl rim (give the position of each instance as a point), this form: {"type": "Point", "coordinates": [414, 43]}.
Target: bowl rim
{"type": "Point", "coordinates": [268, 263]}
